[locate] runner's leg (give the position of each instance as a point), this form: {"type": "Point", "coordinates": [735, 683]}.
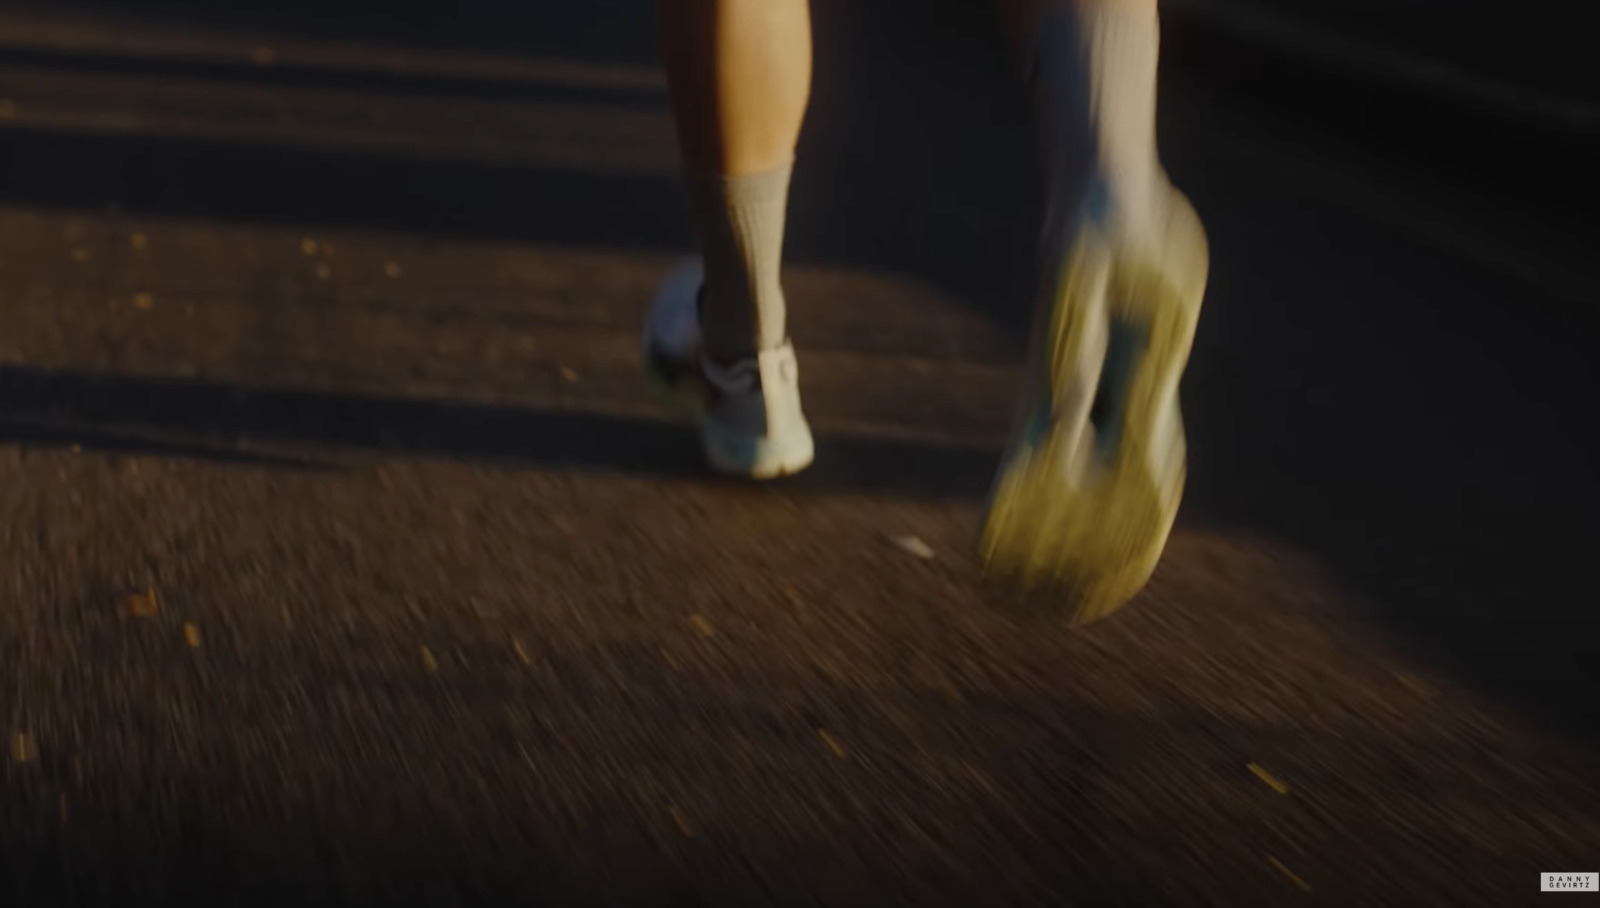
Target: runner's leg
{"type": "Point", "coordinates": [1090, 68]}
{"type": "Point", "coordinates": [716, 342]}
{"type": "Point", "coordinates": [1090, 485]}
{"type": "Point", "coordinates": [740, 75]}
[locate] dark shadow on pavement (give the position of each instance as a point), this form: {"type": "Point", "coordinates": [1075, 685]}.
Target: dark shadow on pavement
{"type": "Point", "coordinates": [94, 438]}
{"type": "Point", "coordinates": [1419, 425]}
{"type": "Point", "coordinates": [131, 415]}
{"type": "Point", "coordinates": [192, 178]}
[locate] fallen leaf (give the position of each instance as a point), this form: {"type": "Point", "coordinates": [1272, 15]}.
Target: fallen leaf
{"type": "Point", "coordinates": [138, 241]}
{"type": "Point", "coordinates": [308, 246]}
{"type": "Point", "coordinates": [428, 661]}
{"type": "Point", "coordinates": [702, 625]}
{"type": "Point", "coordinates": [914, 546]}
{"type": "Point", "coordinates": [833, 744]}
{"type": "Point", "coordinates": [324, 272]}
{"type": "Point", "coordinates": [192, 635]}
{"type": "Point", "coordinates": [142, 605]}
{"type": "Point", "coordinates": [391, 269]}
{"type": "Point", "coordinates": [80, 255]}
{"type": "Point", "coordinates": [143, 300]}
{"type": "Point", "coordinates": [1293, 877]}
{"type": "Point", "coordinates": [569, 374]}
{"type": "Point", "coordinates": [1267, 777]}
{"type": "Point", "coordinates": [22, 748]}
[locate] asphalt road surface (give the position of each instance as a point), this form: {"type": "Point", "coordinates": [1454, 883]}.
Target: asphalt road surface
{"type": "Point", "coordinates": [345, 561]}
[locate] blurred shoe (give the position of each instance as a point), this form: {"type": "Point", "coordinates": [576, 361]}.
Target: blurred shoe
{"type": "Point", "coordinates": [751, 423]}
{"type": "Point", "coordinates": [1089, 488]}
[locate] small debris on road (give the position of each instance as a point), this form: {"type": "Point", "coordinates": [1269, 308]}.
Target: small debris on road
{"type": "Point", "coordinates": [23, 749]}
{"type": "Point", "coordinates": [142, 605]}
{"type": "Point", "coordinates": [702, 625]}
{"type": "Point", "coordinates": [143, 300]}
{"type": "Point", "coordinates": [914, 546]}
{"type": "Point", "coordinates": [1290, 874]}
{"type": "Point", "coordinates": [681, 820]}
{"type": "Point", "coordinates": [191, 634]}
{"type": "Point", "coordinates": [833, 743]}
{"type": "Point", "coordinates": [138, 241]}
{"type": "Point", "coordinates": [1267, 777]}
{"type": "Point", "coordinates": [428, 661]}
{"type": "Point", "coordinates": [308, 246]}
{"type": "Point", "coordinates": [390, 269]}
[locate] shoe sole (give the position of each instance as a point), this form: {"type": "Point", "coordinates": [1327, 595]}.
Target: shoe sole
{"type": "Point", "coordinates": [1086, 509]}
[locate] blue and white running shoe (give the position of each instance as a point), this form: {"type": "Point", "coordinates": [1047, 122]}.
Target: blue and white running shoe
{"type": "Point", "coordinates": [751, 423]}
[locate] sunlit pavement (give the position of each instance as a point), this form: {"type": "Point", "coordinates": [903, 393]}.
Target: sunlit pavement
{"type": "Point", "coordinates": [347, 561]}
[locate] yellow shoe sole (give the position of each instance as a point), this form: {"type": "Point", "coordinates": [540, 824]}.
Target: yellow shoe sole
{"type": "Point", "coordinates": [1082, 508]}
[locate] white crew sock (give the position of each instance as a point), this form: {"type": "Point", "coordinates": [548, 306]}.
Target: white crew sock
{"type": "Point", "coordinates": [1092, 75]}
{"type": "Point", "coordinates": [741, 221]}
